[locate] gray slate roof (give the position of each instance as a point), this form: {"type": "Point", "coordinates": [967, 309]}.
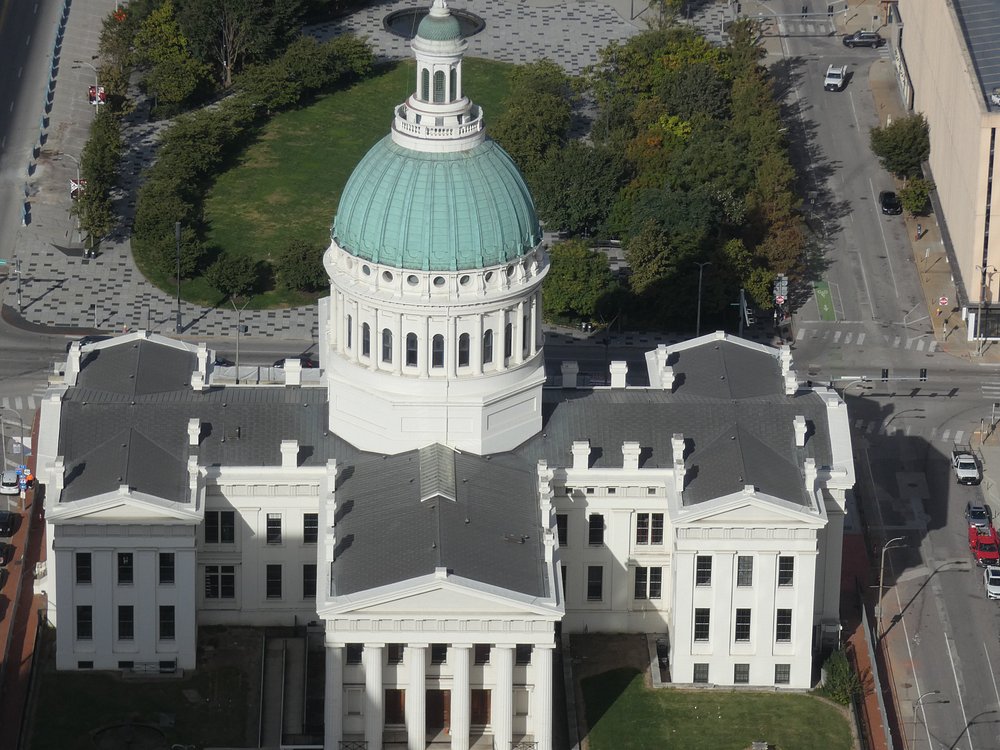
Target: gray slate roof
{"type": "Point", "coordinates": [490, 532]}
{"type": "Point", "coordinates": [980, 22]}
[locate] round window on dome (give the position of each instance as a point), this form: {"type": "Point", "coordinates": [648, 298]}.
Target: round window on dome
{"type": "Point", "coordinates": [366, 270]}
{"type": "Point", "coordinates": [464, 280]}
{"type": "Point", "coordinates": [386, 276]}
{"type": "Point", "coordinates": [488, 275]}
{"type": "Point", "coordinates": [439, 281]}
{"type": "Point", "coordinates": [510, 271]}
{"type": "Point", "coordinates": [412, 280]}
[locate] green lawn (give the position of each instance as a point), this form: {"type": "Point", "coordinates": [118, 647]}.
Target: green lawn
{"type": "Point", "coordinates": [625, 715]}
{"type": "Point", "coordinates": [287, 184]}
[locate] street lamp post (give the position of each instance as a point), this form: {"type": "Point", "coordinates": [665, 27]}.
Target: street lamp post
{"type": "Point", "coordinates": [701, 267]}
{"type": "Point", "coordinates": [177, 238]}
{"type": "Point", "coordinates": [239, 331]}
{"type": "Point", "coordinates": [881, 578]}
{"type": "Point", "coordinates": [916, 705]}
{"type": "Point", "coordinates": [985, 271]}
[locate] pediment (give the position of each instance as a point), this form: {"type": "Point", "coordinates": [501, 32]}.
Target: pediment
{"type": "Point", "coordinates": [117, 507]}
{"type": "Point", "coordinates": [748, 510]}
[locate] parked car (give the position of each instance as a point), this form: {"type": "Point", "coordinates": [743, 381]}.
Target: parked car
{"type": "Point", "coordinates": [835, 78]}
{"type": "Point", "coordinates": [306, 362]}
{"type": "Point", "coordinates": [222, 362]}
{"type": "Point", "coordinates": [864, 39]}
{"type": "Point", "coordinates": [965, 464]}
{"type": "Point", "coordinates": [978, 514]}
{"type": "Point", "coordinates": [991, 581]}
{"type": "Point", "coordinates": [888, 201]}
{"type": "Point", "coordinates": [9, 483]}
{"type": "Point", "coordinates": [8, 523]}
{"type": "Point", "coordinates": [7, 553]}
{"type": "Point", "coordinates": [984, 545]}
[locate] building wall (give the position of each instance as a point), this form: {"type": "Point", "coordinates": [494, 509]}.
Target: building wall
{"type": "Point", "coordinates": [947, 91]}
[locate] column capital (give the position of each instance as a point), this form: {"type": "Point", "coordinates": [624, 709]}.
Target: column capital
{"type": "Point", "coordinates": [334, 644]}
{"type": "Point", "coordinates": [418, 645]}
{"type": "Point", "coordinates": [461, 645]}
{"type": "Point", "coordinates": [373, 644]}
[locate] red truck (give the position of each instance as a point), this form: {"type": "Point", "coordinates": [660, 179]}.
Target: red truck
{"type": "Point", "coordinates": [984, 544]}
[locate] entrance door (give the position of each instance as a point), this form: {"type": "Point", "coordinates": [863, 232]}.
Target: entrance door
{"type": "Point", "coordinates": [438, 710]}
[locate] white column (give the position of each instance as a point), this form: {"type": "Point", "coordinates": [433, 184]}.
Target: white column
{"type": "Point", "coordinates": [476, 346]}
{"type": "Point", "coordinates": [461, 697]}
{"type": "Point", "coordinates": [333, 696]}
{"type": "Point", "coordinates": [518, 343]}
{"type": "Point", "coordinates": [451, 347]}
{"type": "Point", "coordinates": [352, 307]}
{"type": "Point", "coordinates": [500, 341]}
{"type": "Point", "coordinates": [371, 660]}
{"type": "Point", "coordinates": [502, 659]}
{"type": "Point", "coordinates": [398, 345]}
{"type": "Point", "coordinates": [416, 697]}
{"type": "Point", "coordinates": [541, 661]}
{"type": "Point", "coordinates": [425, 349]}
{"type": "Point", "coordinates": [534, 324]}
{"type": "Point", "coordinates": [333, 324]}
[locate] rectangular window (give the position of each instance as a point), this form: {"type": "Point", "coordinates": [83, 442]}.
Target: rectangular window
{"type": "Point", "coordinates": [84, 622]}
{"type": "Point", "coordinates": [642, 528]}
{"type": "Point", "coordinates": [166, 622]}
{"type": "Point", "coordinates": [656, 529]}
{"type": "Point", "coordinates": [352, 653]}
{"type": "Point", "coordinates": [701, 674]}
{"type": "Point", "coordinates": [595, 583]}
{"type": "Point", "coordinates": [648, 583]}
{"type": "Point", "coordinates": [85, 664]}
{"type": "Point", "coordinates": [220, 526]}
{"type": "Point", "coordinates": [354, 699]}
{"type": "Point", "coordinates": [273, 581]}
{"type": "Point", "coordinates": [125, 570]}
{"type": "Point", "coordinates": [561, 528]}
{"type": "Point", "coordinates": [394, 653]}
{"type": "Point", "coordinates": [786, 570]}
{"type": "Point", "coordinates": [742, 625]}
{"type": "Point", "coordinates": [641, 582]}
{"type": "Point", "coordinates": [782, 674]}
{"type": "Point", "coordinates": [274, 528]}
{"type": "Point", "coordinates": [126, 622]}
{"type": "Point", "coordinates": [655, 583]}
{"type": "Point", "coordinates": [703, 570]}
{"type": "Point", "coordinates": [166, 567]}
{"type": "Point", "coordinates": [741, 674]}
{"type": "Point", "coordinates": [595, 531]}
{"type": "Point", "coordinates": [563, 571]}
{"type": "Point", "coordinates": [310, 528]}
{"type": "Point", "coordinates": [84, 572]}
{"type": "Point", "coordinates": [126, 664]}
{"type": "Point", "coordinates": [702, 620]}
{"type": "Point", "coordinates": [309, 581]}
{"type": "Point", "coordinates": [783, 629]}
{"type": "Point", "coordinates": [481, 653]}
{"type": "Point", "coordinates": [395, 711]}
{"type": "Point", "coordinates": [522, 654]}
{"type": "Point", "coordinates": [439, 653]}
{"type": "Point", "coordinates": [744, 570]}
{"type": "Point", "coordinates": [220, 581]}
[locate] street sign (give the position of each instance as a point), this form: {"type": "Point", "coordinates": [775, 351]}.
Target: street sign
{"type": "Point", "coordinates": [943, 301]}
{"type": "Point", "coordinates": [780, 299]}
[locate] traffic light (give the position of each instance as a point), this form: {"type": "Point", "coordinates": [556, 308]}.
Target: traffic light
{"type": "Point", "coordinates": [885, 374]}
{"type": "Point", "coordinates": [923, 374]}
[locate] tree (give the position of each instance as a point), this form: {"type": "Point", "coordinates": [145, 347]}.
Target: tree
{"type": "Point", "coordinates": [903, 146]}
{"type": "Point", "coordinates": [96, 215]}
{"type": "Point", "coordinates": [916, 195]}
{"type": "Point", "coordinates": [173, 74]}
{"type": "Point", "coordinates": [841, 683]}
{"type": "Point", "coordinates": [234, 275]}
{"type": "Point", "coordinates": [577, 280]}
{"type": "Point", "coordinates": [300, 266]}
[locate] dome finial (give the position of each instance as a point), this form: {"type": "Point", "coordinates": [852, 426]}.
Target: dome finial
{"type": "Point", "coordinates": [439, 8]}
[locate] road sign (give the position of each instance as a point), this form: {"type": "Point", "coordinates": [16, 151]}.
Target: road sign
{"type": "Point", "coordinates": [943, 301]}
{"type": "Point", "coordinates": [780, 299]}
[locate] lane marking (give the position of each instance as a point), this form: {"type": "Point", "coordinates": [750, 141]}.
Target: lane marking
{"type": "Point", "coordinates": [885, 242]}
{"type": "Point", "coordinates": [861, 339]}
{"type": "Point", "coordinates": [958, 688]}
{"type": "Point", "coordinates": [996, 691]}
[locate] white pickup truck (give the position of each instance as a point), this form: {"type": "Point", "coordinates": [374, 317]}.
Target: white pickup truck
{"type": "Point", "coordinates": [835, 78]}
{"type": "Point", "coordinates": [965, 465]}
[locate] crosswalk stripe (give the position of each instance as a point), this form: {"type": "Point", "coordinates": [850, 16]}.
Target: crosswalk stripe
{"type": "Point", "coordinates": [847, 337]}
{"type": "Point", "coordinates": [801, 334]}
{"type": "Point", "coordinates": [959, 434]}
{"type": "Point", "coordinates": [920, 345]}
{"type": "Point", "coordinates": [933, 347]}
{"type": "Point", "coordinates": [17, 403]}
{"type": "Point", "coordinates": [895, 343]}
{"type": "Point", "coordinates": [945, 434]}
{"type": "Point", "coordinates": [836, 336]}
{"type": "Point", "coordinates": [861, 339]}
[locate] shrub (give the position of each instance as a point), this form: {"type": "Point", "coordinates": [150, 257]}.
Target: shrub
{"type": "Point", "coordinates": [300, 266]}
{"type": "Point", "coordinates": [842, 682]}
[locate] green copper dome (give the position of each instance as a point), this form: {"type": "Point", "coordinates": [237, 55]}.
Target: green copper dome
{"type": "Point", "coordinates": [439, 28]}
{"type": "Point", "coordinates": [436, 211]}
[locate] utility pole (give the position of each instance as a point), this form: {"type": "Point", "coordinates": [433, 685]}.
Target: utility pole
{"type": "Point", "coordinates": [987, 271]}
{"type": "Point", "coordinates": [17, 273]}
{"type": "Point", "coordinates": [239, 330]}
{"type": "Point", "coordinates": [177, 238]}
{"type": "Point", "coordinates": [881, 579]}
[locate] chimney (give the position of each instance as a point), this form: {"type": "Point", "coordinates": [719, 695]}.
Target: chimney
{"type": "Point", "coordinates": [194, 431]}
{"type": "Point", "coordinates": [293, 371]}
{"type": "Point", "coordinates": [791, 381]}
{"type": "Point", "coordinates": [810, 472]}
{"type": "Point", "coordinates": [619, 371]}
{"type": "Point", "coordinates": [630, 454]}
{"type": "Point", "coordinates": [569, 372]}
{"type": "Point", "coordinates": [193, 478]}
{"type": "Point", "coordinates": [677, 447]}
{"type": "Point", "coordinates": [799, 424]}
{"type": "Point", "coordinates": [581, 454]}
{"type": "Point", "coordinates": [289, 454]}
{"type": "Point", "coordinates": [59, 475]}
{"type": "Point", "coordinates": [667, 378]}
{"type": "Point", "coordinates": [73, 364]}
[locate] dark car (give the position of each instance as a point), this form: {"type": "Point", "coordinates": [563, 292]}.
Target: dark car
{"type": "Point", "coordinates": [6, 553]}
{"type": "Point", "coordinates": [223, 362]}
{"type": "Point", "coordinates": [8, 522]}
{"type": "Point", "coordinates": [88, 340]}
{"type": "Point", "coordinates": [306, 363]}
{"type": "Point", "coordinates": [864, 39]}
{"type": "Point", "coordinates": [888, 201]}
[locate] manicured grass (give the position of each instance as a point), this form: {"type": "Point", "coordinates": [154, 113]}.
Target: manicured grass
{"type": "Point", "coordinates": [287, 184]}
{"type": "Point", "coordinates": [625, 715]}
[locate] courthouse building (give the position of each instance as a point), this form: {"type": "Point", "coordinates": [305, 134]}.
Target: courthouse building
{"type": "Point", "coordinates": [436, 503]}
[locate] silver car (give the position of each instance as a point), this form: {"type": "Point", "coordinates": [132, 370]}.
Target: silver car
{"type": "Point", "coordinates": [9, 484]}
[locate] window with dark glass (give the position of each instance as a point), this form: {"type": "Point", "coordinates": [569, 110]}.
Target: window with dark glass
{"type": "Point", "coordinates": [84, 622]}
{"type": "Point", "coordinates": [350, 331]}
{"type": "Point", "coordinates": [701, 673]}
{"type": "Point", "coordinates": [487, 346]}
{"type": "Point", "coordinates": [309, 581]}
{"type": "Point", "coordinates": [744, 570]}
{"type": "Point", "coordinates": [437, 351]}
{"type": "Point", "coordinates": [562, 569]}
{"type": "Point", "coordinates": [595, 583]}
{"type": "Point", "coordinates": [641, 582]}
{"type": "Point", "coordinates": [425, 85]}
{"type": "Point", "coordinates": [274, 528]}
{"type": "Point", "coordinates": [439, 93]}
{"type": "Point", "coordinates": [386, 345]}
{"type": "Point", "coordinates": [508, 341]}
{"type": "Point", "coordinates": [741, 674]}
{"type": "Point", "coordinates": [702, 621]}
{"type": "Point", "coordinates": [786, 570]}
{"type": "Point", "coordinates": [395, 707]}
{"type": "Point", "coordinates": [479, 707]}
{"type": "Point", "coordinates": [642, 528]}
{"type": "Point", "coordinates": [84, 572]}
{"type": "Point", "coordinates": [482, 653]}
{"type": "Point", "coordinates": [463, 350]}
{"type": "Point", "coordinates": [522, 654]}
{"type": "Point", "coordinates": [439, 653]}
{"type": "Point", "coordinates": [310, 528]}
{"type": "Point", "coordinates": [126, 622]}
{"type": "Point", "coordinates": [126, 572]}
{"type": "Point", "coordinates": [394, 653]}
{"type": "Point", "coordinates": [220, 581]}
{"type": "Point", "coordinates": [220, 526]}
{"type": "Point", "coordinates": [783, 626]}
{"type": "Point", "coordinates": [352, 653]}
{"type": "Point", "coordinates": [655, 582]}
{"type": "Point", "coordinates": [782, 674]}
{"type": "Point", "coordinates": [366, 340]}
{"type": "Point", "coordinates": [742, 625]}
{"type": "Point", "coordinates": [166, 622]}
{"type": "Point", "coordinates": [273, 581]}
{"type": "Point", "coordinates": [561, 528]}
{"type": "Point", "coordinates": [166, 567]}
{"type": "Point", "coordinates": [703, 570]}
{"type": "Point", "coordinates": [411, 350]}
{"type": "Point", "coordinates": [595, 529]}
{"type": "Point", "coordinates": [656, 530]}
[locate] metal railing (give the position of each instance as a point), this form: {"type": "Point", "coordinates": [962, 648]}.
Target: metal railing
{"type": "Point", "coordinates": [353, 745]}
